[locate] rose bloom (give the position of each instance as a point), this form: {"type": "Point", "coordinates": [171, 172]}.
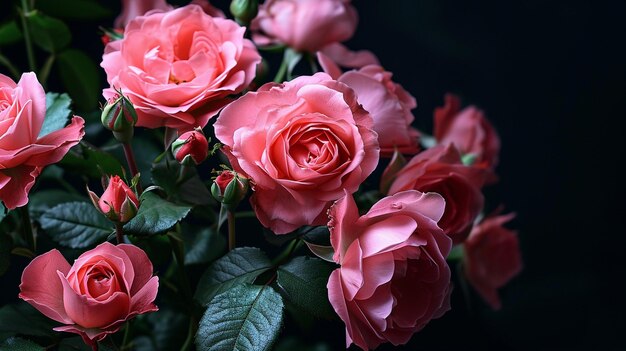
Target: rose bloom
{"type": "Point", "coordinates": [468, 130]}
{"type": "Point", "coordinates": [393, 277]}
{"type": "Point", "coordinates": [104, 287]}
{"type": "Point", "coordinates": [304, 25]}
{"type": "Point", "coordinates": [23, 152]}
{"type": "Point", "coordinates": [136, 8]}
{"type": "Point", "coordinates": [492, 257]}
{"type": "Point", "coordinates": [441, 170]}
{"type": "Point", "coordinates": [301, 143]}
{"type": "Point", "coordinates": [388, 103]}
{"type": "Point", "coordinates": [178, 67]}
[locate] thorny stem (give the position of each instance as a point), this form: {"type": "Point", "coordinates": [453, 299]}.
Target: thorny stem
{"type": "Point", "coordinates": [119, 232]}
{"type": "Point", "coordinates": [231, 230]}
{"type": "Point", "coordinates": [27, 228]}
{"type": "Point", "coordinates": [132, 164]}
{"type": "Point", "coordinates": [27, 40]}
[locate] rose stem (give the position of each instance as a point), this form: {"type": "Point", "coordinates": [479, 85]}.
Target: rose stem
{"type": "Point", "coordinates": [280, 75]}
{"type": "Point", "coordinates": [132, 164]}
{"type": "Point", "coordinates": [27, 229]}
{"type": "Point", "coordinates": [231, 230]}
{"type": "Point", "coordinates": [29, 45]}
{"type": "Point", "coordinates": [119, 232]}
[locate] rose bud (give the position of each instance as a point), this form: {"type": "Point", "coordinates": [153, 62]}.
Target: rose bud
{"type": "Point", "coordinates": [230, 188]}
{"type": "Point", "coordinates": [118, 203]}
{"type": "Point", "coordinates": [244, 10]}
{"type": "Point", "coordinates": [492, 257]}
{"type": "Point", "coordinates": [191, 147]}
{"type": "Point", "coordinates": [119, 116]}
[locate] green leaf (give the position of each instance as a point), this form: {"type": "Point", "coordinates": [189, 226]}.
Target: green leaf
{"type": "Point", "coordinates": [43, 200]}
{"type": "Point", "coordinates": [91, 162]}
{"type": "Point", "coordinates": [48, 33]}
{"type": "Point", "coordinates": [10, 33]}
{"type": "Point", "coordinates": [21, 318]}
{"type": "Point", "coordinates": [202, 246]}
{"type": "Point", "coordinates": [167, 330]}
{"type": "Point", "coordinates": [304, 280]}
{"type": "Point", "coordinates": [155, 215]}
{"type": "Point", "coordinates": [3, 211]}
{"type": "Point", "coordinates": [247, 317]}
{"type": "Point", "coordinates": [80, 76]}
{"type": "Point", "coordinates": [74, 9]}
{"type": "Point", "coordinates": [57, 113]}
{"type": "Point", "coordinates": [75, 224]}
{"type": "Point", "coordinates": [6, 244]}
{"type": "Point", "coordinates": [19, 344]}
{"type": "Point", "coordinates": [239, 266]}
{"type": "Point", "coordinates": [190, 189]}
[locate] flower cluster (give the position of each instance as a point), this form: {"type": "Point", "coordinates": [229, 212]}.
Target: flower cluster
{"type": "Point", "coordinates": [303, 149]}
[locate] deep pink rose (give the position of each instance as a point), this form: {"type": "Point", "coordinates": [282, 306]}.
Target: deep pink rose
{"type": "Point", "coordinates": [136, 8]}
{"type": "Point", "coordinates": [301, 143]}
{"type": "Point", "coordinates": [23, 152]}
{"type": "Point", "coordinates": [178, 67]}
{"type": "Point", "coordinates": [104, 287]}
{"type": "Point", "coordinates": [393, 277]}
{"type": "Point", "coordinates": [492, 257]}
{"type": "Point", "coordinates": [469, 130]}
{"type": "Point", "coordinates": [440, 170]}
{"type": "Point", "coordinates": [304, 25]}
{"type": "Point", "coordinates": [388, 103]}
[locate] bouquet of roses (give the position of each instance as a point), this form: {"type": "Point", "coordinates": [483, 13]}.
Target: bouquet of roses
{"type": "Point", "coordinates": [206, 200]}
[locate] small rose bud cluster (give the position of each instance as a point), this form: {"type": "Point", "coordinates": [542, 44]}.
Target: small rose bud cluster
{"type": "Point", "coordinates": [120, 117]}
{"type": "Point", "coordinates": [191, 147]}
{"type": "Point", "coordinates": [118, 203]}
{"type": "Point", "coordinates": [230, 188]}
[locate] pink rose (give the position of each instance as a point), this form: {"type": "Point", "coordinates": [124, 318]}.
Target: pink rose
{"type": "Point", "coordinates": [468, 130]}
{"type": "Point", "coordinates": [178, 67]}
{"type": "Point", "coordinates": [492, 257]}
{"type": "Point", "coordinates": [104, 287]}
{"type": "Point", "coordinates": [388, 103]}
{"type": "Point", "coordinates": [136, 8]}
{"type": "Point", "coordinates": [301, 143]}
{"type": "Point", "coordinates": [393, 277]}
{"type": "Point", "coordinates": [304, 25]}
{"type": "Point", "coordinates": [440, 170]}
{"type": "Point", "coordinates": [23, 153]}
{"type": "Point", "coordinates": [338, 54]}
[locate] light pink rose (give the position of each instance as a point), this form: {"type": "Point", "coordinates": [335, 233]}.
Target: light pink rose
{"type": "Point", "coordinates": [301, 143]}
{"type": "Point", "coordinates": [136, 8]}
{"type": "Point", "coordinates": [388, 103]}
{"type": "Point", "coordinates": [304, 25]}
{"type": "Point", "coordinates": [492, 257]}
{"type": "Point", "coordinates": [468, 130]}
{"type": "Point", "coordinates": [179, 67]}
{"type": "Point", "coordinates": [23, 153]}
{"type": "Point", "coordinates": [440, 170]}
{"type": "Point", "coordinates": [393, 277]}
{"type": "Point", "coordinates": [104, 287]}
{"type": "Point", "coordinates": [336, 54]}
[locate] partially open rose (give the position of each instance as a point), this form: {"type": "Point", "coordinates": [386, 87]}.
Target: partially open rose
{"type": "Point", "coordinates": [178, 67]}
{"type": "Point", "coordinates": [301, 143]}
{"type": "Point", "coordinates": [23, 151]}
{"type": "Point", "coordinates": [102, 289]}
{"type": "Point", "coordinates": [394, 277]}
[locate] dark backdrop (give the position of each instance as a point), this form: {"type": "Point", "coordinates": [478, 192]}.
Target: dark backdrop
{"type": "Point", "coordinates": [550, 76]}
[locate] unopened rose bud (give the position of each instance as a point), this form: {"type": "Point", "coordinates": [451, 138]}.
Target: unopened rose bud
{"type": "Point", "coordinates": [230, 188]}
{"type": "Point", "coordinates": [118, 203]}
{"type": "Point", "coordinates": [119, 116]}
{"type": "Point", "coordinates": [244, 10]}
{"type": "Point", "coordinates": [191, 147]}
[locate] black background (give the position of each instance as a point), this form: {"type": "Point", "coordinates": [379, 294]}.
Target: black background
{"type": "Point", "coordinates": [550, 76]}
